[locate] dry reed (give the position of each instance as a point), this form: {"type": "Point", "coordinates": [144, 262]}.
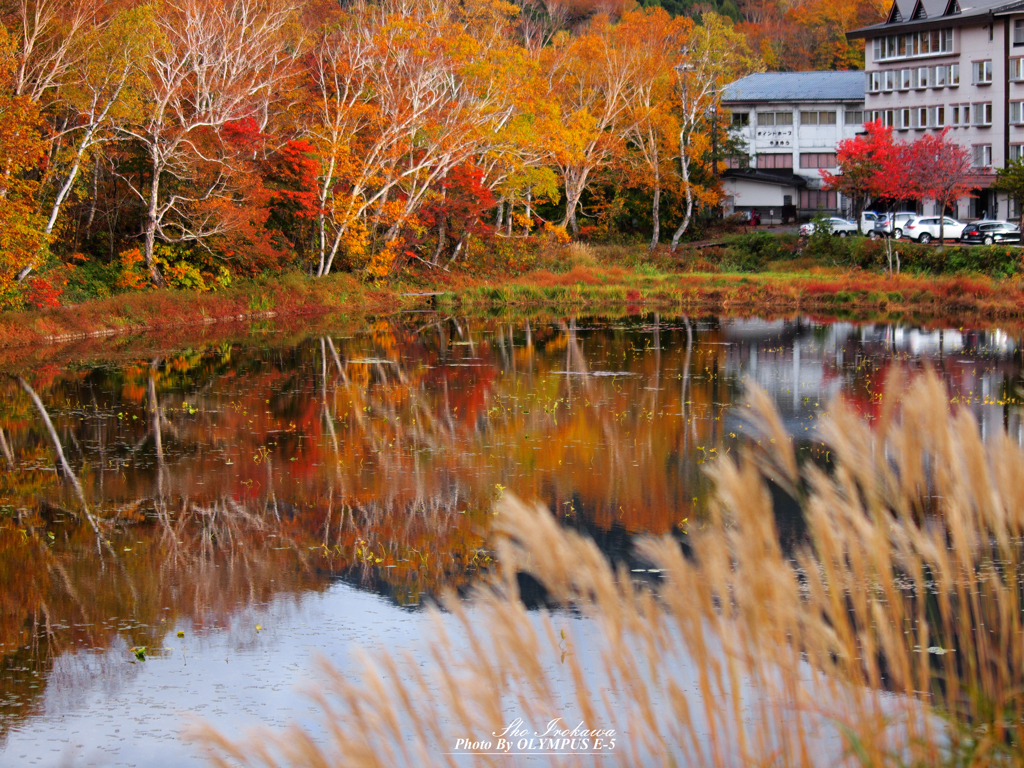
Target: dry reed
{"type": "Point", "coordinates": [893, 637]}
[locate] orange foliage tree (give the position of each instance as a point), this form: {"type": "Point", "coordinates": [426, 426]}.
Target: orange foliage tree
{"type": "Point", "coordinates": [220, 136]}
{"type": "Point", "coordinates": [22, 235]}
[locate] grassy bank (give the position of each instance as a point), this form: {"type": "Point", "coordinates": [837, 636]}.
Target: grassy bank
{"type": "Point", "coordinates": [752, 273]}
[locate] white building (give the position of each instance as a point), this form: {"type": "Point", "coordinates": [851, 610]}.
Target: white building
{"type": "Point", "coordinates": [790, 123]}
{"type": "Point", "coordinates": [942, 63]}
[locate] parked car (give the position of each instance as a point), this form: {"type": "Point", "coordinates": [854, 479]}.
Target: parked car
{"type": "Point", "coordinates": [840, 227]}
{"type": "Point", "coordinates": [881, 228]}
{"type": "Point", "coordinates": [989, 232]}
{"type": "Point", "coordinates": [891, 224]}
{"type": "Point", "coordinates": [924, 229]}
{"type": "Point", "coordinates": [868, 221]}
{"type": "Point", "coordinates": [894, 224]}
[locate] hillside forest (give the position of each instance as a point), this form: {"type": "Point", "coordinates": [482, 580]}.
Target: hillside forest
{"type": "Point", "coordinates": [188, 143]}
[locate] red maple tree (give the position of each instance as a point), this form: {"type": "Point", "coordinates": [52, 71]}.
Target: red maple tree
{"type": "Point", "coordinates": [938, 169]}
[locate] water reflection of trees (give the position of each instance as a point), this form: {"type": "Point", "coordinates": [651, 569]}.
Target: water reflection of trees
{"type": "Point", "coordinates": [196, 482]}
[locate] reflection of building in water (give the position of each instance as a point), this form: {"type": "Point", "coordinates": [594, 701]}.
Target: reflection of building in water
{"type": "Point", "coordinates": [793, 361]}
{"type": "Point", "coordinates": [803, 365]}
{"type": "Point", "coordinates": [918, 342]}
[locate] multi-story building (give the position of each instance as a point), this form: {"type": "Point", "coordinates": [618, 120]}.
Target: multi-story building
{"type": "Point", "coordinates": [789, 124]}
{"type": "Point", "coordinates": [937, 64]}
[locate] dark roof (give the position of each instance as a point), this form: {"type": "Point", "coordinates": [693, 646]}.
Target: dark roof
{"type": "Point", "coordinates": [796, 86]}
{"type": "Point", "coordinates": [788, 179]}
{"type": "Point", "coordinates": [912, 15]}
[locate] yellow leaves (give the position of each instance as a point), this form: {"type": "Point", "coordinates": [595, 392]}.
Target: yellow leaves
{"type": "Point", "coordinates": [22, 239]}
{"type": "Point", "coordinates": [558, 232]}
{"type": "Point", "coordinates": [382, 262]}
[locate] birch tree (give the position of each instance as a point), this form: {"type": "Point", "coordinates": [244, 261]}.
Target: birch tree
{"type": "Point", "coordinates": [209, 63]}
{"type": "Point", "coordinates": [655, 120]}
{"type": "Point", "coordinates": [422, 102]}
{"type": "Point", "coordinates": [714, 54]}
{"type": "Point", "coordinates": [592, 79]}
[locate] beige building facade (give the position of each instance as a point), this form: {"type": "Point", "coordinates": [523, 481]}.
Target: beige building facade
{"type": "Point", "coordinates": [938, 64]}
{"type": "Point", "coordinates": [788, 125]}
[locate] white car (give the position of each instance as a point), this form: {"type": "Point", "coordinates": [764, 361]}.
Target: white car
{"type": "Point", "coordinates": [924, 229]}
{"type": "Point", "coordinates": [840, 227]}
{"type": "Point", "coordinates": [895, 223]}
{"type": "Point", "coordinates": [869, 220]}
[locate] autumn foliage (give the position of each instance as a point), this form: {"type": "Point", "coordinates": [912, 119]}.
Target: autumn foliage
{"type": "Point", "coordinates": [873, 166]}
{"type": "Point", "coordinates": [188, 142]}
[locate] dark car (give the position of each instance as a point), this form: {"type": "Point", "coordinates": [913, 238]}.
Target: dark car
{"type": "Point", "coordinates": [989, 232]}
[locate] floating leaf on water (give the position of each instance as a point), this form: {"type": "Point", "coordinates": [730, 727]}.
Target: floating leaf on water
{"type": "Point", "coordinates": [181, 633]}
{"type": "Point", "coordinates": [258, 627]}
{"type": "Point", "coordinates": [140, 652]}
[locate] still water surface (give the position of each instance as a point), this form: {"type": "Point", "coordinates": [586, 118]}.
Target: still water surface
{"type": "Point", "coordinates": [239, 509]}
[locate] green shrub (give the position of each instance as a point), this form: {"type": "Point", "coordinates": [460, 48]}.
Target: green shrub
{"type": "Point", "coordinates": [91, 280]}
{"type": "Point", "coordinates": [751, 252]}
{"type": "Point", "coordinates": [995, 260]}
{"type": "Point", "coordinates": [823, 244]}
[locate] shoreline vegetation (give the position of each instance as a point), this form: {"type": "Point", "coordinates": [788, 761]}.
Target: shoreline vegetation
{"type": "Point", "coordinates": [753, 274]}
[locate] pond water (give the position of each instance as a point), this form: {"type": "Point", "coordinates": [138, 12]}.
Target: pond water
{"type": "Point", "coordinates": [240, 508]}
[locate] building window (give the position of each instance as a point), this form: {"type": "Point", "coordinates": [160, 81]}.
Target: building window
{"type": "Point", "coordinates": [1017, 112]}
{"type": "Point", "coordinates": [939, 76]}
{"type": "Point", "coordinates": [774, 162]}
{"type": "Point", "coordinates": [1016, 152]}
{"type": "Point", "coordinates": [1016, 70]}
{"type": "Point", "coordinates": [937, 119]}
{"type": "Point", "coordinates": [818, 118]}
{"type": "Point", "coordinates": [874, 82]}
{"type": "Point", "coordinates": [888, 80]}
{"type": "Point", "coordinates": [1018, 32]}
{"type": "Point", "coordinates": [738, 161]}
{"type": "Point", "coordinates": [982, 113]}
{"type": "Point", "coordinates": [854, 116]}
{"type": "Point", "coordinates": [774, 118]}
{"type": "Point", "coordinates": [905, 79]}
{"type": "Point", "coordinates": [982, 155]}
{"type": "Point", "coordinates": [922, 77]}
{"type": "Point", "coordinates": [921, 117]}
{"type": "Point", "coordinates": [954, 75]}
{"type": "Point", "coordinates": [740, 119]}
{"type": "Point", "coordinates": [954, 114]}
{"type": "Point", "coordinates": [817, 198]}
{"type": "Point", "coordinates": [981, 72]}
{"type": "Point", "coordinates": [912, 45]}
{"type": "Point", "coordinates": [889, 118]}
{"type": "Point", "coordinates": [904, 119]}
{"type": "Point", "coordinates": [818, 160]}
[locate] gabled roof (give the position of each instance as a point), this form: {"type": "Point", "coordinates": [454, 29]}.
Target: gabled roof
{"type": "Point", "coordinates": [796, 87]}
{"type": "Point", "coordinates": [932, 14]}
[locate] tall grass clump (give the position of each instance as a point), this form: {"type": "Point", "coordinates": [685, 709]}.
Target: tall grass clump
{"type": "Point", "coordinates": [892, 636]}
